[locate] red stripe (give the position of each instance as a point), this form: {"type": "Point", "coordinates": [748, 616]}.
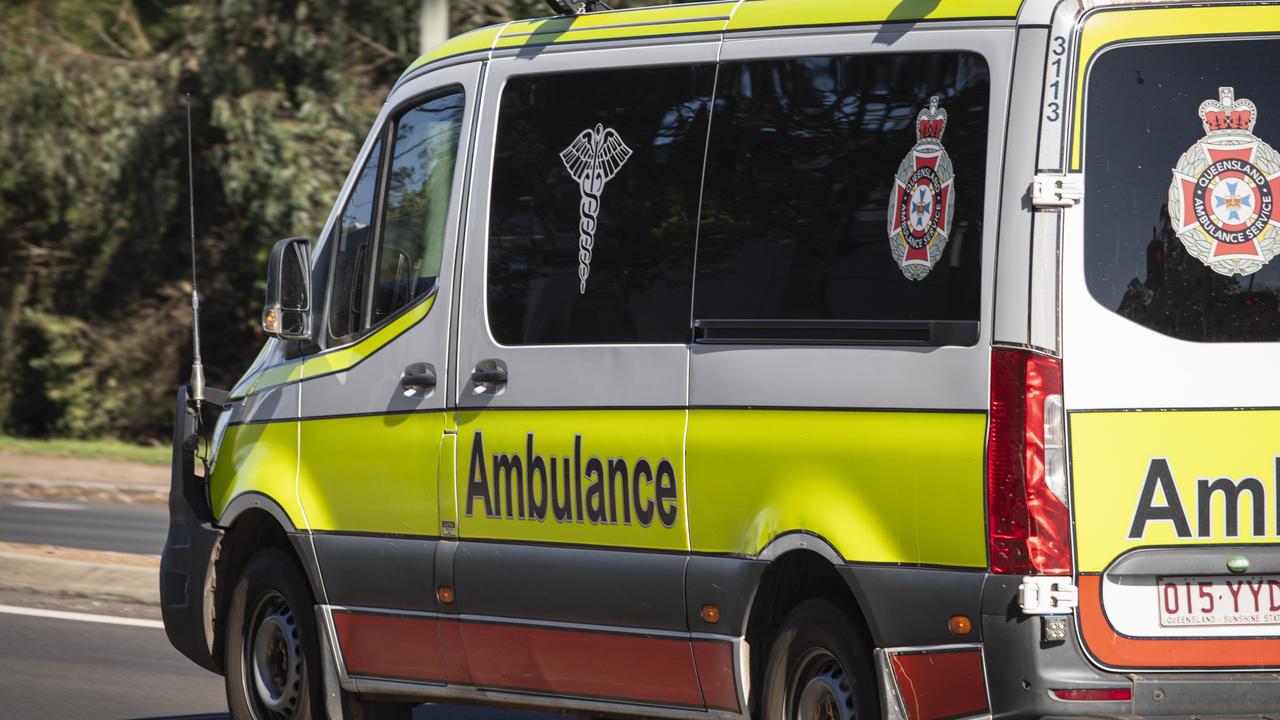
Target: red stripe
{"type": "Point", "coordinates": [455, 657]}
{"type": "Point", "coordinates": [1110, 648]}
{"type": "Point", "coordinates": [619, 666]}
{"type": "Point", "coordinates": [592, 664]}
{"type": "Point", "coordinates": [714, 661]}
{"type": "Point", "coordinates": [390, 646]}
{"type": "Point", "coordinates": [941, 684]}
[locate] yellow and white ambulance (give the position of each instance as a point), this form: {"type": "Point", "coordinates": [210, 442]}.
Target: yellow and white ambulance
{"type": "Point", "coordinates": [775, 359]}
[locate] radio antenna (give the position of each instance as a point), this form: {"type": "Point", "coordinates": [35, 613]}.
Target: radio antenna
{"type": "Point", "coordinates": [197, 368]}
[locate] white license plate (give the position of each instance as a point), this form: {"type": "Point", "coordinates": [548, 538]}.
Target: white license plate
{"type": "Point", "coordinates": [1217, 601]}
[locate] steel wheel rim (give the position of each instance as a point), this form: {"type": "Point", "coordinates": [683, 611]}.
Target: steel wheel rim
{"type": "Point", "coordinates": [820, 689]}
{"type": "Point", "coordinates": [274, 657]}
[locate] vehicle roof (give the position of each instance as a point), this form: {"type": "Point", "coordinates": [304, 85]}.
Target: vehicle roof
{"type": "Point", "coordinates": [711, 17]}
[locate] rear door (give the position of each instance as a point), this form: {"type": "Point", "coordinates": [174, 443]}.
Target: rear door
{"type": "Point", "coordinates": [1171, 325]}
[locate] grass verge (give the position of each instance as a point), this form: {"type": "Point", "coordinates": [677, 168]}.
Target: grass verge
{"type": "Point", "coordinates": [87, 449]}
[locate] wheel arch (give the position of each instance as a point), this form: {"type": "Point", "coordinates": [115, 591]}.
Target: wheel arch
{"type": "Point", "coordinates": [801, 566]}
{"type": "Point", "coordinates": [253, 521]}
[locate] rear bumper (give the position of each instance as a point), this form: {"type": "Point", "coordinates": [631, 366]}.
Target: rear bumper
{"type": "Point", "coordinates": [1021, 671]}
{"type": "Point", "coordinates": [190, 549]}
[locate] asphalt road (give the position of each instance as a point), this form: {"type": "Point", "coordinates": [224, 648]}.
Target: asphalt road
{"type": "Point", "coordinates": [68, 669]}
{"type": "Point", "coordinates": [53, 669]}
{"type": "Point", "coordinates": [88, 526]}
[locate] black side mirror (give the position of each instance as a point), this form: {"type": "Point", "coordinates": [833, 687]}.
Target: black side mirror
{"type": "Point", "coordinates": [287, 314]}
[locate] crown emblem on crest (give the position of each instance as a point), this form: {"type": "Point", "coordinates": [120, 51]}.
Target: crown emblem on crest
{"type": "Point", "coordinates": [1227, 114]}
{"type": "Point", "coordinates": [931, 122]}
{"type": "Point", "coordinates": [1222, 201]}
{"type": "Point", "coordinates": [922, 201]}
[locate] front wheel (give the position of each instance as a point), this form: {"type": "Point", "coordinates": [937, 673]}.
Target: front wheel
{"type": "Point", "coordinates": [819, 668]}
{"type": "Point", "coordinates": [273, 652]}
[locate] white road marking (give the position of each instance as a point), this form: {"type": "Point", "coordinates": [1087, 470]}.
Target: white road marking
{"type": "Point", "coordinates": [81, 617]}
{"type": "Point", "coordinates": [43, 505]}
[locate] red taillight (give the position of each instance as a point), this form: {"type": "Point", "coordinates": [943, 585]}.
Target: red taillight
{"type": "Point", "coordinates": [1094, 694]}
{"type": "Point", "coordinates": [1028, 524]}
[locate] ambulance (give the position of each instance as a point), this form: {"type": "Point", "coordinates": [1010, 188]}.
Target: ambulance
{"type": "Point", "coordinates": [773, 359]}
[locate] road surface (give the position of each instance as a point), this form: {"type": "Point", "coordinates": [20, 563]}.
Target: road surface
{"type": "Point", "coordinates": [57, 669]}
{"type": "Point", "coordinates": [88, 526]}
{"type": "Point", "coordinates": [60, 669]}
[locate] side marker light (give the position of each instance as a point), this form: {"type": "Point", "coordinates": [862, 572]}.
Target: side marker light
{"type": "Point", "coordinates": [960, 625]}
{"type": "Point", "coordinates": [445, 594]}
{"type": "Point", "coordinates": [710, 614]}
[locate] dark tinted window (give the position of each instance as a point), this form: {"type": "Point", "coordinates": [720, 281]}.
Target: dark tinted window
{"type": "Point", "coordinates": [419, 185]}
{"type": "Point", "coordinates": [796, 218]}
{"type": "Point", "coordinates": [352, 239]}
{"type": "Point", "coordinates": [594, 205]}
{"type": "Point", "coordinates": [1143, 114]}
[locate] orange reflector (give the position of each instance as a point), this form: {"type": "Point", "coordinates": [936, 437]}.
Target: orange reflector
{"type": "Point", "coordinates": [445, 594]}
{"type": "Point", "coordinates": [711, 614]}
{"type": "Point", "coordinates": [960, 625]}
{"type": "Point", "coordinates": [1094, 694]}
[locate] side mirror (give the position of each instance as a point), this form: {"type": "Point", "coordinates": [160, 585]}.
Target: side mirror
{"type": "Point", "coordinates": [287, 313]}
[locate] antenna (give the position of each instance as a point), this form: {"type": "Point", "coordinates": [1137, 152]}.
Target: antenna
{"type": "Point", "coordinates": [197, 368]}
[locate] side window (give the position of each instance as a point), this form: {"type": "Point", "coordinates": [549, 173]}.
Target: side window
{"type": "Point", "coordinates": [594, 205]}
{"type": "Point", "coordinates": [419, 185]}
{"type": "Point", "coordinates": [845, 189]}
{"type": "Point", "coordinates": [353, 238]}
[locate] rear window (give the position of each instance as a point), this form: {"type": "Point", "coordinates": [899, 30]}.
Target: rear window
{"type": "Point", "coordinates": [1181, 227]}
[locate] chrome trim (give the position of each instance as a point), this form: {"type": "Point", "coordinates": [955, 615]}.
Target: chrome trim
{"type": "Point", "coordinates": [473, 695]}
{"type": "Point", "coordinates": [915, 649]}
{"type": "Point", "coordinates": [890, 695]}
{"type": "Point", "coordinates": [800, 541]}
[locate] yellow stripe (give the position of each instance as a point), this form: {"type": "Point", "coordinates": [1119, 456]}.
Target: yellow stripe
{"type": "Point", "coordinates": [334, 360]}
{"type": "Point", "coordinates": [643, 22]}
{"type": "Point", "coordinates": [1104, 28]}
{"type": "Point", "coordinates": [894, 487]}
{"type": "Point", "coordinates": [258, 458]}
{"type": "Point", "coordinates": [374, 474]}
{"type": "Point", "coordinates": [766, 14]}
{"type": "Point", "coordinates": [475, 41]}
{"type": "Point", "coordinates": [712, 17]}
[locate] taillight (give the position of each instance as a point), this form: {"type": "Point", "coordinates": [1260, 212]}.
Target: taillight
{"type": "Point", "coordinates": [1028, 523]}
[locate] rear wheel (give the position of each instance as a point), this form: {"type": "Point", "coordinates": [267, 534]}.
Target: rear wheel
{"type": "Point", "coordinates": [819, 668]}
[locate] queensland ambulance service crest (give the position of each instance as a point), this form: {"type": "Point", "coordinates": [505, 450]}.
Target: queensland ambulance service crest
{"type": "Point", "coordinates": [923, 200]}
{"type": "Point", "coordinates": [1222, 199]}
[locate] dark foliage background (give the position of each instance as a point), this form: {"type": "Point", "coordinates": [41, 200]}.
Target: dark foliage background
{"type": "Point", "coordinates": [94, 260]}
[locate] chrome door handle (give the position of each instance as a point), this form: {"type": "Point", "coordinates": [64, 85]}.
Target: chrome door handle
{"type": "Point", "coordinates": [418, 376]}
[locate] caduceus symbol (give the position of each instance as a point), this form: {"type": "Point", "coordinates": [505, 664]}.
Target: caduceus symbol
{"type": "Point", "coordinates": [592, 159]}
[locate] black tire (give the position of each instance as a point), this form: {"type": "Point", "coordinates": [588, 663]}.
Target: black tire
{"type": "Point", "coordinates": [273, 649]}
{"type": "Point", "coordinates": [819, 668]}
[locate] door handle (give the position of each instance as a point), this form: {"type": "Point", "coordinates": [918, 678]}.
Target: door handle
{"type": "Point", "coordinates": [418, 376]}
{"type": "Point", "coordinates": [490, 372]}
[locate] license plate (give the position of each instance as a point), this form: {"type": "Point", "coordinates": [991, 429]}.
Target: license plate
{"type": "Point", "coordinates": [1218, 601]}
